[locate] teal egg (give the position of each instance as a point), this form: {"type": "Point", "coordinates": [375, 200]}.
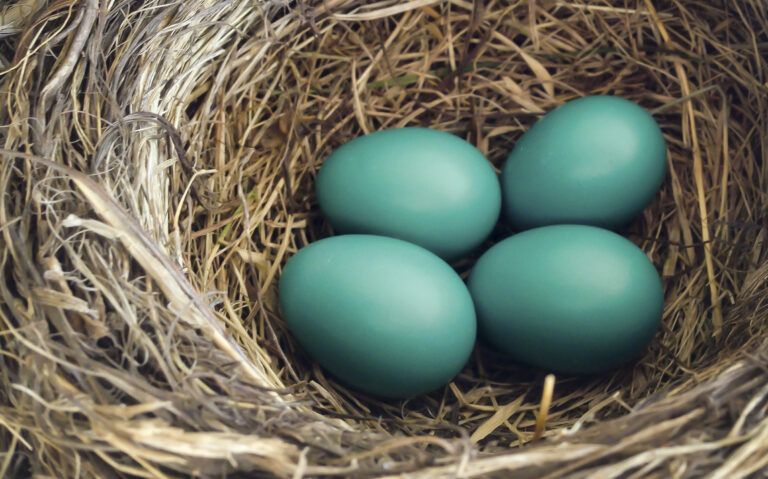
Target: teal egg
{"type": "Point", "coordinates": [567, 298]}
{"type": "Point", "coordinates": [384, 316]}
{"type": "Point", "coordinates": [425, 186]}
{"type": "Point", "coordinates": [598, 160]}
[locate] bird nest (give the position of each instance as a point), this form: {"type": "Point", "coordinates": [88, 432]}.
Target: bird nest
{"type": "Point", "coordinates": [157, 170]}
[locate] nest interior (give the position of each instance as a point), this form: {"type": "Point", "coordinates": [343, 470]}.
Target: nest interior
{"type": "Point", "coordinates": [157, 167]}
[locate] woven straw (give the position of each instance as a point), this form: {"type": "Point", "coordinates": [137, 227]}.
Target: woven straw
{"type": "Point", "coordinates": [156, 171]}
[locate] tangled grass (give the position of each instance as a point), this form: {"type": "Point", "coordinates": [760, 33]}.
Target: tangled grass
{"type": "Point", "coordinates": [156, 170]}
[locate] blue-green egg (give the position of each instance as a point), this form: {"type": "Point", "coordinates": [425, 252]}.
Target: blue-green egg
{"type": "Point", "coordinates": [425, 186]}
{"type": "Point", "coordinates": [598, 160]}
{"type": "Point", "coordinates": [383, 315]}
{"type": "Point", "coordinates": [567, 298]}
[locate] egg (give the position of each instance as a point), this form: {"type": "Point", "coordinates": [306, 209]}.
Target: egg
{"type": "Point", "coordinates": [567, 298]}
{"type": "Point", "coordinates": [383, 315]}
{"type": "Point", "coordinates": [424, 186]}
{"type": "Point", "coordinates": [598, 160]}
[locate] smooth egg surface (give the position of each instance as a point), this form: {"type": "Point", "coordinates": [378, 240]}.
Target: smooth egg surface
{"type": "Point", "coordinates": [384, 316]}
{"type": "Point", "coordinates": [598, 160]}
{"type": "Point", "coordinates": [425, 186]}
{"type": "Point", "coordinates": [567, 298]}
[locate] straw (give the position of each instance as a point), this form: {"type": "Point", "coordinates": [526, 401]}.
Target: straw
{"type": "Point", "coordinates": [157, 170]}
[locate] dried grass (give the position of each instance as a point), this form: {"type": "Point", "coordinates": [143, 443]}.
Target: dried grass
{"type": "Point", "coordinates": [156, 171]}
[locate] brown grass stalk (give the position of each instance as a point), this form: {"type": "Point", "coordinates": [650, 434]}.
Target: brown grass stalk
{"type": "Point", "coordinates": [157, 162]}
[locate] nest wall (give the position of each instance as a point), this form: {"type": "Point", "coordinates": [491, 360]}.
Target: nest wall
{"type": "Point", "coordinates": [157, 167]}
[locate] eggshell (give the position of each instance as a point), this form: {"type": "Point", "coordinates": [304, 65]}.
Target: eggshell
{"type": "Point", "coordinates": [425, 186]}
{"type": "Point", "coordinates": [384, 316]}
{"type": "Point", "coordinates": [598, 161]}
{"type": "Point", "coordinates": [567, 298]}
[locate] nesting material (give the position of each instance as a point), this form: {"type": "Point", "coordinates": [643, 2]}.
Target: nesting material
{"type": "Point", "coordinates": [157, 165]}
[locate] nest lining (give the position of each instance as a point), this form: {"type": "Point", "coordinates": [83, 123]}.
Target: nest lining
{"type": "Point", "coordinates": [157, 170]}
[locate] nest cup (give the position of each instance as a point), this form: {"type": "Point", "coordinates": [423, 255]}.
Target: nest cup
{"type": "Point", "coordinates": [157, 171]}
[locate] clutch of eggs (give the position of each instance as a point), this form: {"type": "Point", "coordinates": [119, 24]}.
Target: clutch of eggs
{"type": "Point", "coordinates": [380, 308]}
